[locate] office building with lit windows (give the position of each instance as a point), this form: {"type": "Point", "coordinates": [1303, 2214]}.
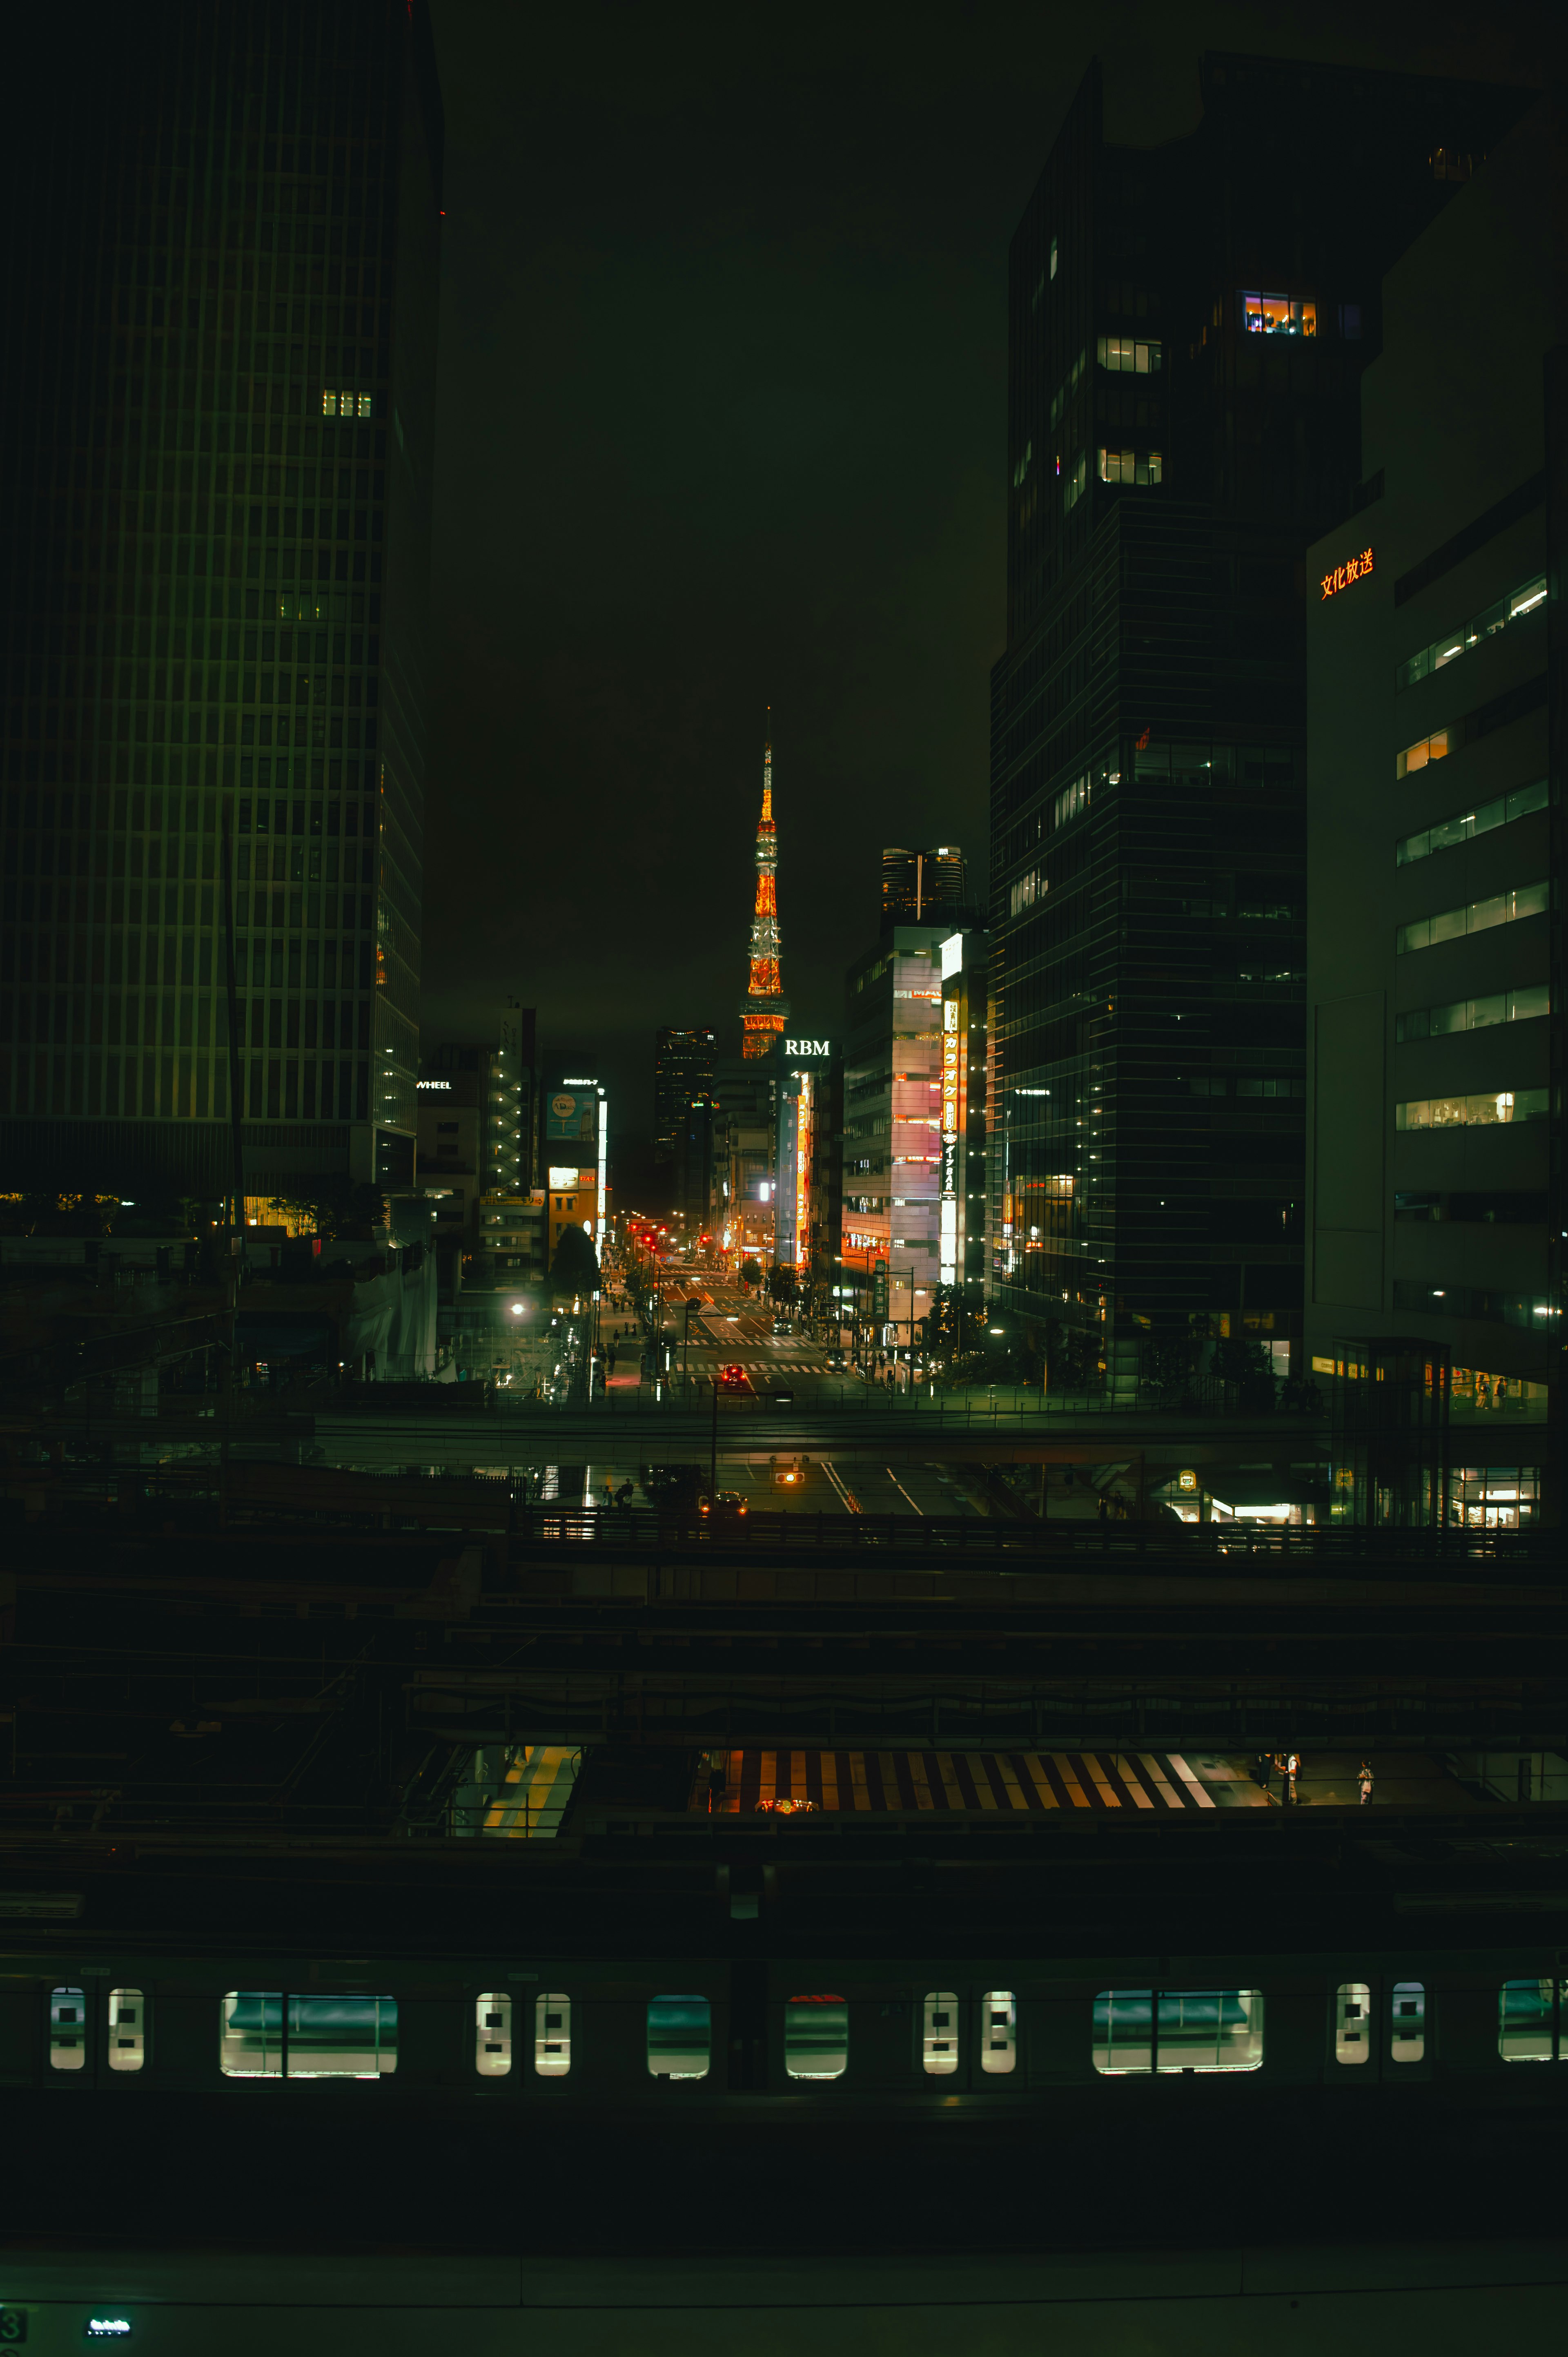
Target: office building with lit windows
{"type": "Point", "coordinates": [926, 888]}
{"type": "Point", "coordinates": [217, 394]}
{"type": "Point", "coordinates": [1188, 326]}
{"type": "Point", "coordinates": [683, 1076]}
{"type": "Point", "coordinates": [478, 1117]}
{"type": "Point", "coordinates": [1434, 948]}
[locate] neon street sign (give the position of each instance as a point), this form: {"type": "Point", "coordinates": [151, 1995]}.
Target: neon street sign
{"type": "Point", "coordinates": [1354, 568]}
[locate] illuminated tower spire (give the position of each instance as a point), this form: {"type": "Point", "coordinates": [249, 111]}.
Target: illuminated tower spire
{"type": "Point", "coordinates": [765, 1010]}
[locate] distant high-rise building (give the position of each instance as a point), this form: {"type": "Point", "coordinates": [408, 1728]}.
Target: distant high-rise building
{"type": "Point", "coordinates": [216, 390]}
{"type": "Point", "coordinates": [1435, 972]}
{"type": "Point", "coordinates": [926, 888]}
{"type": "Point", "coordinates": [1187, 335]}
{"type": "Point", "coordinates": [478, 1117]}
{"type": "Point", "coordinates": [682, 1075]}
{"type": "Point", "coordinates": [764, 1011]}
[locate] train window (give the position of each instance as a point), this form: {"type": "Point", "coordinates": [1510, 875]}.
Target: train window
{"type": "Point", "coordinates": [1123, 2031]}
{"type": "Point", "coordinates": [553, 2035]}
{"type": "Point", "coordinates": [1529, 2020]}
{"type": "Point", "coordinates": [999, 2031]}
{"type": "Point", "coordinates": [341, 2036]}
{"type": "Point", "coordinates": [816, 2036]}
{"type": "Point", "coordinates": [1353, 2022]}
{"type": "Point", "coordinates": [939, 2038]}
{"type": "Point", "coordinates": [67, 2028]}
{"type": "Point", "coordinates": [492, 2034]}
{"type": "Point", "coordinates": [264, 2036]}
{"type": "Point", "coordinates": [127, 2029]}
{"type": "Point", "coordinates": [680, 2037]}
{"type": "Point", "coordinates": [250, 2042]}
{"type": "Point", "coordinates": [1407, 2022]}
{"type": "Point", "coordinates": [1139, 2030]}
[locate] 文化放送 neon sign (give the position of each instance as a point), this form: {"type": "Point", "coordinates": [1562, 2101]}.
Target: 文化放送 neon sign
{"type": "Point", "coordinates": [1353, 569]}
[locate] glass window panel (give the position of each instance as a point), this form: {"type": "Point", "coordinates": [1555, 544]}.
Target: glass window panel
{"type": "Point", "coordinates": [1493, 911]}
{"type": "Point", "coordinates": [1407, 2021]}
{"type": "Point", "coordinates": [680, 2037]}
{"type": "Point", "coordinates": [552, 2034]}
{"type": "Point", "coordinates": [1353, 2022]}
{"type": "Point", "coordinates": [1532, 899]}
{"type": "Point", "coordinates": [1122, 2023]}
{"type": "Point", "coordinates": [1449, 925]}
{"type": "Point", "coordinates": [342, 2037]}
{"type": "Point", "coordinates": [1481, 1012]}
{"type": "Point", "coordinates": [1527, 2021]}
{"type": "Point", "coordinates": [1209, 2029]}
{"type": "Point", "coordinates": [250, 2043]}
{"type": "Point", "coordinates": [938, 2036]}
{"type": "Point", "coordinates": [127, 2029]}
{"type": "Point", "coordinates": [816, 2036]}
{"type": "Point", "coordinates": [998, 2032]}
{"type": "Point", "coordinates": [1531, 998]}
{"type": "Point", "coordinates": [492, 2034]}
{"type": "Point", "coordinates": [67, 2028]}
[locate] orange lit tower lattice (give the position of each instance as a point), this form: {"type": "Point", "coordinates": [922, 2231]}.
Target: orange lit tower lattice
{"type": "Point", "coordinates": [765, 1010]}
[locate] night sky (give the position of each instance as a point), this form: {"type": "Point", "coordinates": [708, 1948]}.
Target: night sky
{"type": "Point", "coordinates": [722, 423]}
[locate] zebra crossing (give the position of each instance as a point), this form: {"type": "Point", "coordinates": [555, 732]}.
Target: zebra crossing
{"type": "Point", "coordinates": [970, 1782]}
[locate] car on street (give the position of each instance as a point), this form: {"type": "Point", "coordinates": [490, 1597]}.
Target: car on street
{"type": "Point", "coordinates": [732, 1379]}
{"type": "Point", "coordinates": [781, 1325]}
{"type": "Point", "coordinates": [726, 1505]}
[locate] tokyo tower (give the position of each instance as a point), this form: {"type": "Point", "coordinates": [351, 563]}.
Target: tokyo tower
{"type": "Point", "coordinates": [765, 1010]}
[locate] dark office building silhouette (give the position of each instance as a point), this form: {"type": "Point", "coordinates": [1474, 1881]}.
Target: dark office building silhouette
{"type": "Point", "coordinates": [217, 389]}
{"type": "Point", "coordinates": [926, 888]}
{"type": "Point", "coordinates": [1188, 329]}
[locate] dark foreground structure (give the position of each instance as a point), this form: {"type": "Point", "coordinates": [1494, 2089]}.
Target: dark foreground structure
{"type": "Point", "coordinates": [1022, 1998]}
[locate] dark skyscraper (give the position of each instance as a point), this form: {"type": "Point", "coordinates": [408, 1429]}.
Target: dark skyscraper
{"type": "Point", "coordinates": [1188, 328]}
{"type": "Point", "coordinates": [217, 392]}
{"type": "Point", "coordinates": [683, 1073]}
{"type": "Point", "coordinates": [926, 888]}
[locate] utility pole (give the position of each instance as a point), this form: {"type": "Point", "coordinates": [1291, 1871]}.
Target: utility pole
{"type": "Point", "coordinates": [713, 1448]}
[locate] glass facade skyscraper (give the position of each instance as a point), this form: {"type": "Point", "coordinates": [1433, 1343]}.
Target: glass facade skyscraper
{"type": "Point", "coordinates": [1188, 329]}
{"type": "Point", "coordinates": [217, 392]}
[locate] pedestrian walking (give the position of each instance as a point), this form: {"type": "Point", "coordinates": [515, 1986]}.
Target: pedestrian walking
{"type": "Point", "coordinates": [1293, 1770]}
{"type": "Point", "coordinates": [1364, 1779]}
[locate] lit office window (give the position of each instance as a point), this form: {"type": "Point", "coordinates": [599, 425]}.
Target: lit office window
{"type": "Point", "coordinates": [816, 2036]}
{"type": "Point", "coordinates": [335, 403]}
{"type": "Point", "coordinates": [1477, 916]}
{"type": "Point", "coordinates": [938, 2037]}
{"type": "Point", "coordinates": [1128, 356]}
{"type": "Point", "coordinates": [1484, 1107]}
{"type": "Point", "coordinates": [1353, 2022]}
{"type": "Point", "coordinates": [1520, 1006]}
{"type": "Point", "coordinates": [1407, 2021]}
{"type": "Point", "coordinates": [492, 2034]}
{"type": "Point", "coordinates": [1131, 465]}
{"type": "Point", "coordinates": [127, 2029]}
{"type": "Point", "coordinates": [68, 2029]}
{"type": "Point", "coordinates": [680, 2037]}
{"type": "Point", "coordinates": [1435, 748]}
{"type": "Point", "coordinates": [1277, 315]}
{"type": "Point", "coordinates": [1528, 598]}
{"type": "Point", "coordinates": [1450, 833]}
{"type": "Point", "coordinates": [998, 2032]}
{"type": "Point", "coordinates": [552, 2034]}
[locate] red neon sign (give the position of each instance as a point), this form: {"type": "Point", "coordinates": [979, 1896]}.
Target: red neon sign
{"type": "Point", "coordinates": [1353, 568]}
